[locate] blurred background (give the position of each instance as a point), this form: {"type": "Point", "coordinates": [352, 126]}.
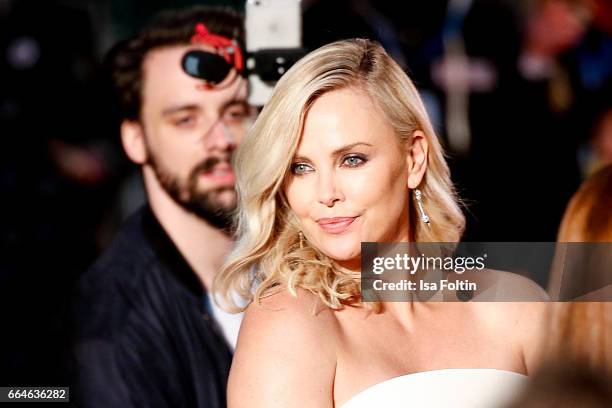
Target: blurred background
{"type": "Point", "coordinates": [519, 91]}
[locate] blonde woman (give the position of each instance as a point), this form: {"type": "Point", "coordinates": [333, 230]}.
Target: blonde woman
{"type": "Point", "coordinates": [334, 160]}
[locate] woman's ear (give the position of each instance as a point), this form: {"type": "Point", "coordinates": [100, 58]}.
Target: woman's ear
{"type": "Point", "coordinates": [416, 159]}
{"type": "Point", "coordinates": [132, 138]}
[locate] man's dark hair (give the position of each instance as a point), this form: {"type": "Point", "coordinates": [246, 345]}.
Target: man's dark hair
{"type": "Point", "coordinates": [168, 28]}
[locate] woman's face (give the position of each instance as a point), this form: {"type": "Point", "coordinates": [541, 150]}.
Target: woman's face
{"type": "Point", "coordinates": [349, 177]}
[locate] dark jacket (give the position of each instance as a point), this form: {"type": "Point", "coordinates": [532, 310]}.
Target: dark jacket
{"type": "Point", "coordinates": [143, 336]}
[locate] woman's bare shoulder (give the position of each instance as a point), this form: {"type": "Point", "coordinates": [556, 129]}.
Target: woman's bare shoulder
{"type": "Point", "coordinates": [508, 298]}
{"type": "Point", "coordinates": [303, 310]}
{"type": "Point", "coordinates": [517, 308]}
{"type": "Point", "coordinates": [501, 286]}
{"type": "Point", "coordinates": [286, 348]}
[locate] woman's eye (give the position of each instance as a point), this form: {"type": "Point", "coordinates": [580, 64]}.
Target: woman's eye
{"type": "Point", "coordinates": [354, 161]}
{"type": "Point", "coordinates": [300, 168]}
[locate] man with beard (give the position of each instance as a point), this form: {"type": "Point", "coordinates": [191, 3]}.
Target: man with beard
{"type": "Point", "coordinates": [147, 333]}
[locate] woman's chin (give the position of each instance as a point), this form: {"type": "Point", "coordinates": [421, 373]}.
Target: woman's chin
{"type": "Point", "coordinates": [344, 255]}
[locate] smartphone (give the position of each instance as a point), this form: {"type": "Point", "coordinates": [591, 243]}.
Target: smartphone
{"type": "Point", "coordinates": [270, 25]}
{"type": "Point", "coordinates": [273, 24]}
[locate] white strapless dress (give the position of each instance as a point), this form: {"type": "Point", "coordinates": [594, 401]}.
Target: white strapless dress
{"type": "Point", "coordinates": [462, 388]}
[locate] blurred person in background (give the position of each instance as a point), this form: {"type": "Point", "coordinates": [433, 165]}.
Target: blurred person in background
{"type": "Point", "coordinates": [577, 368]}
{"type": "Point", "coordinates": [521, 115]}
{"type": "Point", "coordinates": [146, 333]}
{"type": "Point", "coordinates": [588, 217]}
{"type": "Point", "coordinates": [597, 153]}
{"type": "Point", "coordinates": [582, 330]}
{"type": "Point", "coordinates": [551, 28]}
{"type": "Point", "coordinates": [568, 386]}
{"type": "Point", "coordinates": [592, 77]}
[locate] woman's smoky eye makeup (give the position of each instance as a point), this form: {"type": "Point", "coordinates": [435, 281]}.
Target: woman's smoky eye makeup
{"type": "Point", "coordinates": [300, 168]}
{"type": "Point", "coordinates": [350, 160]}
{"type": "Point", "coordinates": [354, 160]}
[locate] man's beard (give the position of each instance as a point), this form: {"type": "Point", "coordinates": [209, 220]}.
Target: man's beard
{"type": "Point", "coordinates": [204, 204]}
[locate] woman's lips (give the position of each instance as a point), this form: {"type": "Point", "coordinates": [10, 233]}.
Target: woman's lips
{"type": "Point", "coordinates": [336, 225]}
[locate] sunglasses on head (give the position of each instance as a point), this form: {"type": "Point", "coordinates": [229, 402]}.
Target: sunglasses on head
{"type": "Point", "coordinates": [213, 67]}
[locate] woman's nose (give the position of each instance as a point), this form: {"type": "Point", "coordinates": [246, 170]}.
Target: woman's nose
{"type": "Point", "coordinates": [329, 191]}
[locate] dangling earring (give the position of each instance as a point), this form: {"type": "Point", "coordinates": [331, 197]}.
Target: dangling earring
{"type": "Point", "coordinates": [301, 235]}
{"type": "Point", "coordinates": [419, 198]}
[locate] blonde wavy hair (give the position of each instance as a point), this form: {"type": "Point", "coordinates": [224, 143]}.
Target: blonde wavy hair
{"type": "Point", "coordinates": [268, 250]}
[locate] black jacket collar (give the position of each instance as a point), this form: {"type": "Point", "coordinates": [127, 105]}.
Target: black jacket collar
{"type": "Point", "coordinates": [169, 255]}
